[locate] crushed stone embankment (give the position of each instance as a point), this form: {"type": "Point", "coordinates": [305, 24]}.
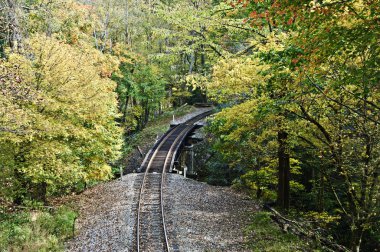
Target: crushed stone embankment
{"type": "Point", "coordinates": [199, 217]}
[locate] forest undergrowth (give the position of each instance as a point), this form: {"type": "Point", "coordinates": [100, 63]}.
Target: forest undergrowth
{"type": "Point", "coordinates": [297, 83]}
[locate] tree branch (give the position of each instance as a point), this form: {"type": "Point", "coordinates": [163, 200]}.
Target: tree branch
{"type": "Point", "coordinates": [340, 103]}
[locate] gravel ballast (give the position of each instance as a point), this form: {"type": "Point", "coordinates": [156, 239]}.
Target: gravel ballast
{"type": "Point", "coordinates": [199, 217]}
{"type": "Point", "coordinates": [107, 215]}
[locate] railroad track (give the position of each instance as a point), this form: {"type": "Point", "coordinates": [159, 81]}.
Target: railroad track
{"type": "Point", "coordinates": [151, 234]}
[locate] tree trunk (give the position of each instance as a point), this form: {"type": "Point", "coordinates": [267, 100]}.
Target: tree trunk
{"type": "Point", "coordinates": [283, 171]}
{"type": "Point", "coordinates": [19, 197]}
{"type": "Point", "coordinates": [146, 114]}
{"type": "Point", "coordinates": [39, 192]}
{"type": "Point", "coordinates": [321, 191]}
{"type": "Point", "coordinates": [125, 108]}
{"type": "Point", "coordinates": [356, 238]}
{"type": "Point", "coordinates": [259, 193]}
{"type": "Point", "coordinates": [22, 182]}
{"type": "Point", "coordinates": [191, 62]}
{"type": "Point", "coordinates": [127, 32]}
{"type": "Point", "coordinates": [15, 37]}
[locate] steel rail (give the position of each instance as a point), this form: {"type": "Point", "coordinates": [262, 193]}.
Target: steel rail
{"type": "Point", "coordinates": [162, 141]}
{"type": "Point", "coordinates": [179, 132]}
{"type": "Point", "coordinates": [154, 148]}
{"type": "Point", "coordinates": [163, 176]}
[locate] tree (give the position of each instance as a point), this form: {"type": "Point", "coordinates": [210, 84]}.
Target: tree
{"type": "Point", "coordinates": [321, 86]}
{"type": "Point", "coordinates": [11, 19]}
{"type": "Point", "coordinates": [62, 132]}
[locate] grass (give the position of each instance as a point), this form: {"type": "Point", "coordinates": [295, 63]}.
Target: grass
{"type": "Point", "coordinates": [264, 235]}
{"type": "Point", "coordinates": [36, 230]}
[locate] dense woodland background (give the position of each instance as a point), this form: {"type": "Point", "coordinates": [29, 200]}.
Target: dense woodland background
{"type": "Point", "coordinates": [297, 84]}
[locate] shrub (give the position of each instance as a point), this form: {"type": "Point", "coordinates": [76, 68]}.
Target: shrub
{"type": "Point", "coordinates": [36, 230]}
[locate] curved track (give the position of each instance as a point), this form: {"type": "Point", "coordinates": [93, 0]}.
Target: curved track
{"type": "Point", "coordinates": [151, 230]}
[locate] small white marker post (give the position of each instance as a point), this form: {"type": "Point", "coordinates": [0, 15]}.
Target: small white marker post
{"type": "Point", "coordinates": [173, 119]}
{"type": "Point", "coordinates": [184, 171]}
{"type": "Point", "coordinates": [121, 173]}
{"type": "Point", "coordinates": [192, 159]}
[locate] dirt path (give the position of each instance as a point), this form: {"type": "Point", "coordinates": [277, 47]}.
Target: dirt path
{"type": "Point", "coordinates": [200, 217]}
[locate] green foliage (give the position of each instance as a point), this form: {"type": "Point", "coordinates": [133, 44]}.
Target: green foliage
{"type": "Point", "coordinates": [156, 127]}
{"type": "Point", "coordinates": [149, 89]}
{"type": "Point", "coordinates": [215, 172]}
{"type": "Point", "coordinates": [58, 110]}
{"type": "Point", "coordinates": [322, 218]}
{"type": "Point", "coordinates": [305, 68]}
{"type": "Point", "coordinates": [139, 93]}
{"type": "Point", "coordinates": [261, 181]}
{"type": "Point", "coordinates": [36, 230]}
{"type": "Point", "coordinates": [263, 234]}
{"type": "Point", "coordinates": [311, 76]}
{"type": "Point", "coordinates": [61, 223]}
